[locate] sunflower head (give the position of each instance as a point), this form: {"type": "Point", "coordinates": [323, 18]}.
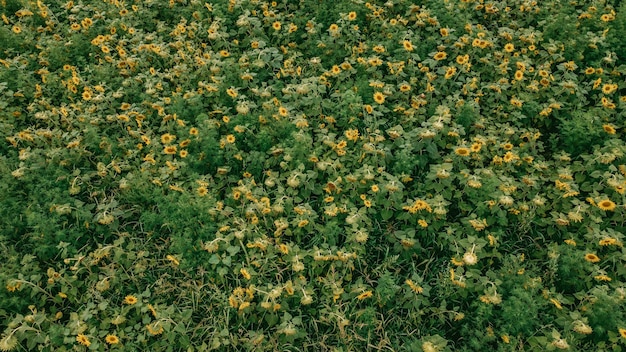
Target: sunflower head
{"type": "Point", "coordinates": [606, 205]}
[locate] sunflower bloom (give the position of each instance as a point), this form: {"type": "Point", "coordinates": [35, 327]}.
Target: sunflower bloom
{"type": "Point", "coordinates": [112, 339]}
{"type": "Point", "coordinates": [462, 151]}
{"type": "Point", "coordinates": [610, 129]}
{"type": "Point", "coordinates": [592, 258]}
{"type": "Point", "coordinates": [130, 300]}
{"type": "Point", "coordinates": [606, 205]}
{"type": "Point", "coordinates": [364, 295]}
{"type": "Point", "coordinates": [170, 150]}
{"type": "Point", "coordinates": [83, 340]}
{"type": "Point", "coordinates": [379, 97]}
{"type": "Point", "coordinates": [440, 55]}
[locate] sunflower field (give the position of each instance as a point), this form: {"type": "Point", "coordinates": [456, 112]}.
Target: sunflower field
{"type": "Point", "coordinates": [312, 175]}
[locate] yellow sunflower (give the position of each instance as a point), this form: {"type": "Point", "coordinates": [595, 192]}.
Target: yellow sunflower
{"type": "Point", "coordinates": [83, 340]}
{"type": "Point", "coordinates": [112, 339]}
{"type": "Point", "coordinates": [609, 129]}
{"type": "Point", "coordinates": [379, 97]}
{"type": "Point", "coordinates": [130, 300]}
{"type": "Point", "coordinates": [462, 151]}
{"type": "Point", "coordinates": [606, 204]}
{"type": "Point", "coordinates": [440, 55]}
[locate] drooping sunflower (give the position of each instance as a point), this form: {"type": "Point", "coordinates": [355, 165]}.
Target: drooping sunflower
{"type": "Point", "coordinates": [83, 340]}
{"type": "Point", "coordinates": [609, 129]}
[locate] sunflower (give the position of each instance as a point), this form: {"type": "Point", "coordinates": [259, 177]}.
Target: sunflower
{"type": "Point", "coordinates": [167, 138]}
{"type": "Point", "coordinates": [609, 88]}
{"type": "Point", "coordinates": [379, 49]}
{"type": "Point", "coordinates": [508, 157]}
{"type": "Point", "coordinates": [622, 332]}
{"type": "Point", "coordinates": [462, 151]}
{"type": "Point", "coordinates": [155, 329]}
{"type": "Point", "coordinates": [83, 340]}
{"type": "Point", "coordinates": [516, 102]}
{"type": "Point", "coordinates": [364, 295]}
{"type": "Point", "coordinates": [230, 138]}
{"type": "Point", "coordinates": [440, 55]}
{"type": "Point", "coordinates": [451, 71]}
{"type": "Point", "coordinates": [602, 278]}
{"type": "Point", "coordinates": [407, 45]}
{"type": "Point", "coordinates": [462, 59]}
{"type": "Point", "coordinates": [405, 87]}
{"type": "Point", "coordinates": [609, 129]}
{"type": "Point", "coordinates": [592, 258]}
{"type": "Point", "coordinates": [475, 147]}
{"type": "Point", "coordinates": [379, 97]}
{"type": "Point", "coordinates": [519, 75]}
{"type": "Point", "coordinates": [232, 92]}
{"type": "Point", "coordinates": [352, 16]}
{"type": "Point", "coordinates": [86, 95]}
{"type": "Point", "coordinates": [282, 111]}
{"type": "Point", "coordinates": [590, 70]}
{"type": "Point", "coordinates": [130, 300]}
{"type": "Point", "coordinates": [608, 242]}
{"type": "Point", "coordinates": [276, 25]}
{"type": "Point", "coordinates": [112, 339]}
{"type": "Point", "coordinates": [170, 150]}
{"type": "Point", "coordinates": [202, 191]}
{"type": "Point", "coordinates": [606, 204]}
{"type": "Point", "coordinates": [509, 48]}
{"type": "Point", "coordinates": [444, 32]}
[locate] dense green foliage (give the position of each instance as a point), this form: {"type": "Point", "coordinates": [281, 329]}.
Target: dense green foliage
{"type": "Point", "coordinates": [312, 175]}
